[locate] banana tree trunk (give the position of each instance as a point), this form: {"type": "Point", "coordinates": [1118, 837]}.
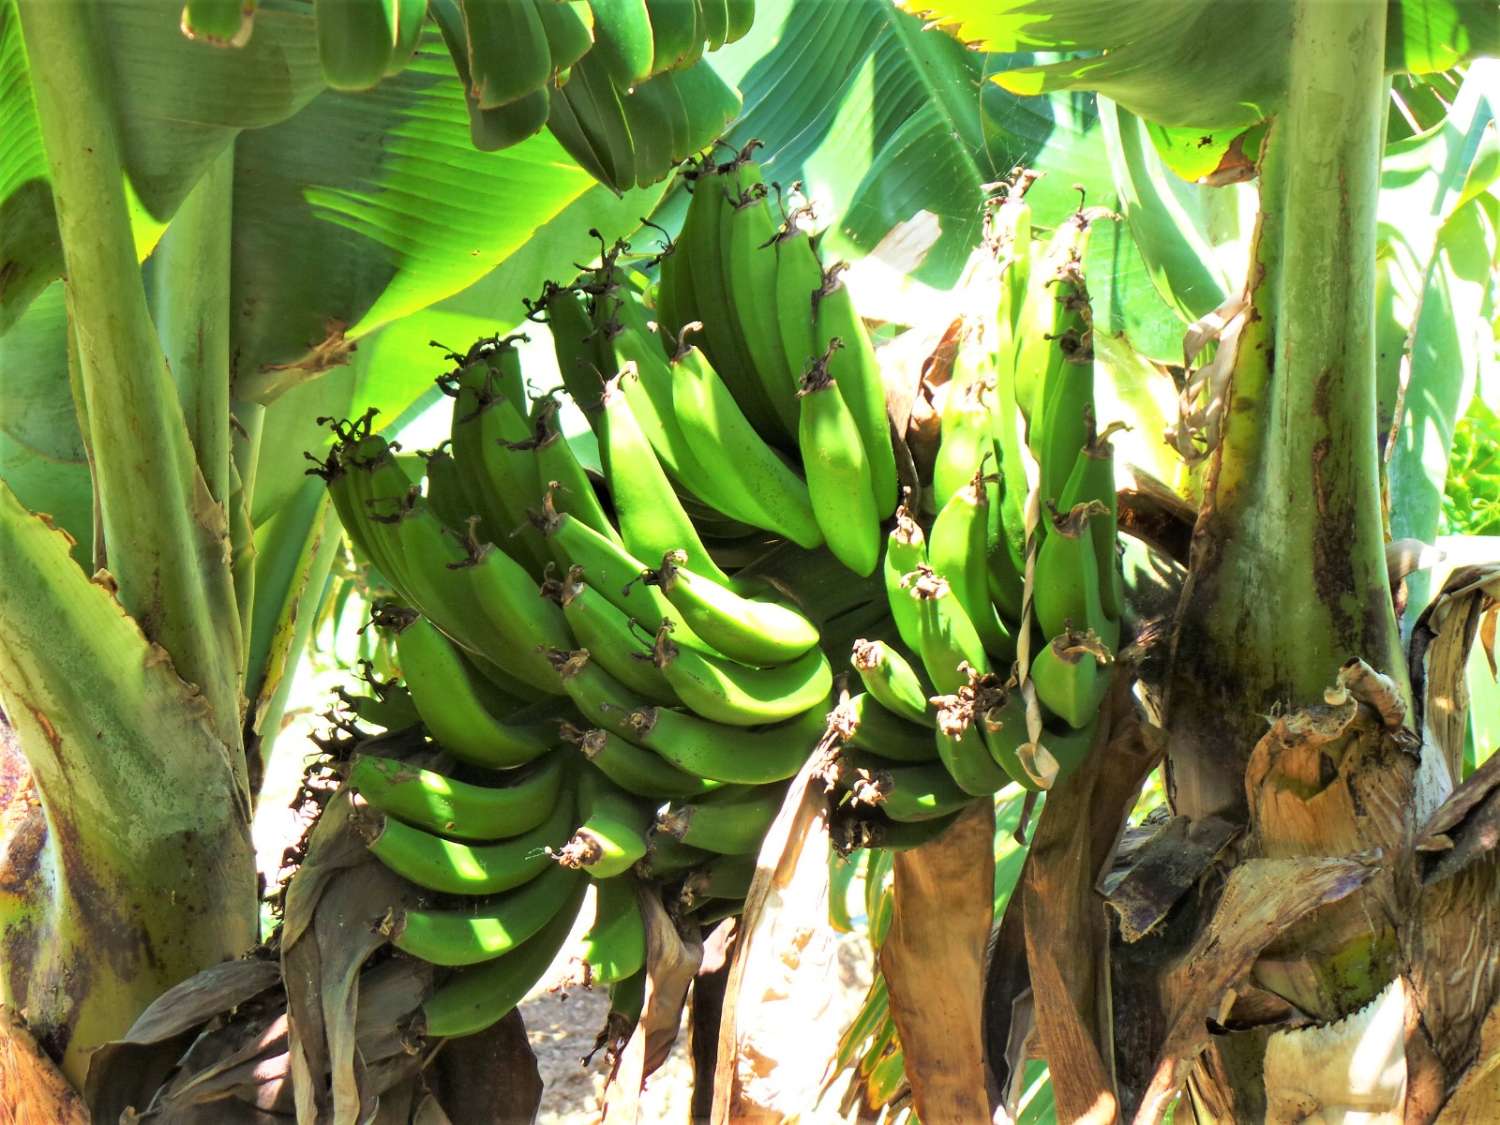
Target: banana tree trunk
{"type": "Point", "coordinates": [123, 787]}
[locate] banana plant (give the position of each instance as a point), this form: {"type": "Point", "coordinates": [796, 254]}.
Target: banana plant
{"type": "Point", "coordinates": [1290, 950]}
{"type": "Point", "coordinates": [205, 248]}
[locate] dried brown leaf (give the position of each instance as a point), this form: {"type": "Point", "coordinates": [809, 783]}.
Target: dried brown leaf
{"type": "Point", "coordinates": [778, 979]}
{"type": "Point", "coordinates": [933, 960]}
{"type": "Point", "coordinates": [1165, 868]}
{"type": "Point", "coordinates": [1262, 899]}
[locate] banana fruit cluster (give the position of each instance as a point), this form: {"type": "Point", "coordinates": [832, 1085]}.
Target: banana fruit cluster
{"type": "Point", "coordinates": [621, 84]}
{"type": "Point", "coordinates": [991, 609]}
{"type": "Point", "coordinates": [610, 696]}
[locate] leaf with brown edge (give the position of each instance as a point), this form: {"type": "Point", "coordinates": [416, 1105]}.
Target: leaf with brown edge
{"type": "Point", "coordinates": [785, 955]}
{"type": "Point", "coordinates": [1262, 898]}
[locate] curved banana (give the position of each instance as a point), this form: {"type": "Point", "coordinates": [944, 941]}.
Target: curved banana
{"type": "Point", "coordinates": [763, 489]}
{"type": "Point", "coordinates": [892, 681]}
{"type": "Point", "coordinates": [445, 492]}
{"type": "Point", "coordinates": [723, 876]}
{"type": "Point", "coordinates": [452, 704]}
{"type": "Point", "coordinates": [958, 547]}
{"type": "Point", "coordinates": [741, 16]}
{"type": "Point", "coordinates": [612, 836]}
{"type": "Point", "coordinates": [728, 692]}
{"type": "Point", "coordinates": [633, 769]}
{"type": "Point", "coordinates": [356, 40]}
{"type": "Point", "coordinates": [565, 479]}
{"type": "Point", "coordinates": [569, 27]}
{"type": "Point", "coordinates": [621, 646]}
{"type": "Point", "coordinates": [864, 724]}
{"type": "Point", "coordinates": [623, 40]}
{"type": "Point", "coordinates": [696, 746]}
{"type": "Point", "coordinates": [879, 831]}
{"type": "Point", "coordinates": [675, 41]}
{"type": "Point", "coordinates": [715, 17]}
{"type": "Point", "coordinates": [475, 998]}
{"type": "Point", "coordinates": [614, 948]}
{"type": "Point", "coordinates": [838, 472]}
{"type": "Point", "coordinates": [589, 121]}
{"type": "Point", "coordinates": [650, 517]}
{"type": "Point", "coordinates": [729, 822]}
{"type": "Point", "coordinates": [905, 552]}
{"type": "Point", "coordinates": [485, 930]}
{"type": "Point", "coordinates": [667, 857]}
{"type": "Point", "coordinates": [753, 632]}
{"type": "Point", "coordinates": [947, 640]}
{"type": "Point", "coordinates": [577, 346]}
{"type": "Point", "coordinates": [904, 793]}
{"type": "Point", "coordinates": [457, 809]}
{"type": "Point", "coordinates": [852, 365]}
{"type": "Point", "coordinates": [509, 56]}
{"type": "Point", "coordinates": [450, 867]}
{"type": "Point", "coordinates": [1067, 588]}
{"type": "Point", "coordinates": [748, 264]}
{"type": "Point", "coordinates": [968, 428]}
{"type": "Point", "coordinates": [1002, 725]}
{"type": "Point", "coordinates": [1093, 478]}
{"type": "Point", "coordinates": [1071, 674]}
{"type": "Point", "coordinates": [961, 746]}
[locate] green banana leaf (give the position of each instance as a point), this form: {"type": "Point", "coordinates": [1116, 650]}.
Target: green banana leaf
{"type": "Point", "coordinates": [1156, 62]}
{"type": "Point", "coordinates": [881, 120]}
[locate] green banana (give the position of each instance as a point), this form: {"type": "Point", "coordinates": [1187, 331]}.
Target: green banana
{"type": "Point", "coordinates": [1071, 674]}
{"type": "Point", "coordinates": [1051, 317]}
{"type": "Point", "coordinates": [577, 344]}
{"type": "Point", "coordinates": [838, 472]}
{"type": "Point", "coordinates": [475, 998]}
{"type": "Point", "coordinates": [610, 569]}
{"type": "Point", "coordinates": [723, 876]}
{"type": "Point", "coordinates": [905, 551]}
{"type": "Point", "coordinates": [626, 1000]}
{"type": "Point", "coordinates": [509, 56]}
{"type": "Point", "coordinates": [569, 27]}
{"type": "Point", "coordinates": [741, 15]}
{"type": "Point", "coordinates": [445, 491]}
{"type": "Point", "coordinates": [485, 930]}
{"type": "Point", "coordinates": [667, 857]}
{"type": "Point", "coordinates": [892, 682]}
{"type": "Point", "coordinates": [761, 488]}
{"type": "Point", "coordinates": [356, 39]}
{"type": "Point", "coordinates": [865, 725]}
{"type": "Point", "coordinates": [898, 836]}
{"type": "Point", "coordinates": [622, 647]}
{"type": "Point", "coordinates": [906, 792]}
{"type": "Point", "coordinates": [715, 19]}
{"type": "Point", "coordinates": [452, 704]}
{"type": "Point", "coordinates": [457, 809]}
{"type": "Point", "coordinates": [748, 265]}
{"type": "Point", "coordinates": [960, 743]}
{"type": "Point", "coordinates": [1002, 725]}
{"type": "Point", "coordinates": [650, 516]}
{"type": "Point", "coordinates": [623, 40]}
{"type": "Point", "coordinates": [658, 105]}
{"type": "Point", "coordinates": [675, 41]}
{"type": "Point", "coordinates": [958, 546]}
{"type": "Point", "coordinates": [798, 278]}
{"type": "Point", "coordinates": [612, 836]}
{"type": "Point", "coordinates": [947, 639]}
{"type": "Point", "coordinates": [1067, 588]}
{"type": "Point", "coordinates": [224, 23]}
{"type": "Point", "coordinates": [489, 129]}
{"type": "Point", "coordinates": [560, 472]}
{"type": "Point", "coordinates": [711, 103]}
{"type": "Point", "coordinates": [729, 822]}
{"type": "Point", "coordinates": [1093, 478]}
{"type": "Point", "coordinates": [390, 707]}
{"type": "Point", "coordinates": [638, 771]}
{"type": "Point", "coordinates": [589, 121]}
{"type": "Point", "coordinates": [614, 948]}
{"type": "Point", "coordinates": [968, 425]}
{"type": "Point", "coordinates": [853, 366]}
{"type": "Point", "coordinates": [735, 694]}
{"type": "Point", "coordinates": [696, 746]}
{"type": "Point", "coordinates": [450, 867]}
{"type": "Point", "coordinates": [753, 632]}
{"type": "Point", "coordinates": [707, 300]}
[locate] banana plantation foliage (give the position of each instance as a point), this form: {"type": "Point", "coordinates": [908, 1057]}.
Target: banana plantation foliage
{"type": "Point", "coordinates": [1013, 481]}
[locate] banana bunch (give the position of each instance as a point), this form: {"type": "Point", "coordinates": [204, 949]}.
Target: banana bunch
{"type": "Point", "coordinates": [1003, 627]}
